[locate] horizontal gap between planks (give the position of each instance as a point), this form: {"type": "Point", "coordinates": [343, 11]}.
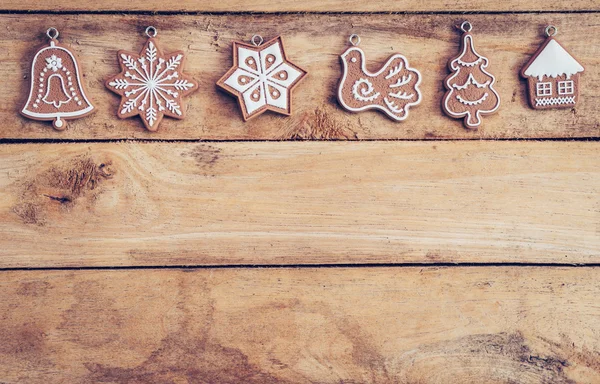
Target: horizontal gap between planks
{"type": "Point", "coordinates": [219, 13]}
{"type": "Point", "coordinates": [133, 140]}
{"type": "Point", "coordinates": [309, 266]}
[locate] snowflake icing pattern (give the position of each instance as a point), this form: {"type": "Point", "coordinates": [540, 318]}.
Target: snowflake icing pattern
{"type": "Point", "coordinates": [151, 85]}
{"type": "Point", "coordinates": [262, 78]}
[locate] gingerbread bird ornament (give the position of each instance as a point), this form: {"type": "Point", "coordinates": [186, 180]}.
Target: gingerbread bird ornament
{"type": "Point", "coordinates": [393, 89]}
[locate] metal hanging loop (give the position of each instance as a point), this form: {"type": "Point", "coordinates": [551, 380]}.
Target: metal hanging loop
{"type": "Point", "coordinates": [151, 31]}
{"type": "Point", "coordinates": [354, 39]}
{"type": "Point", "coordinates": [466, 27]}
{"type": "Point", "coordinates": [551, 30]}
{"type": "Point", "coordinates": [52, 33]}
{"type": "Point", "coordinates": [257, 40]}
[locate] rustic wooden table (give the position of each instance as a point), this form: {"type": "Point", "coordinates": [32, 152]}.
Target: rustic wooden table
{"type": "Point", "coordinates": [325, 247]}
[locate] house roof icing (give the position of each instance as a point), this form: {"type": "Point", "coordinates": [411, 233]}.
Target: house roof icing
{"type": "Point", "coordinates": [552, 60]}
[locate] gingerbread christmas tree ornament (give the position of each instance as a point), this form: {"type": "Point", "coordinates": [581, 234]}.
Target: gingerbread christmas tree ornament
{"type": "Point", "coordinates": [151, 83]}
{"type": "Point", "coordinates": [56, 91]}
{"type": "Point", "coordinates": [552, 75]}
{"type": "Point", "coordinates": [471, 92]}
{"type": "Point", "coordinates": [393, 89]}
{"type": "Point", "coordinates": [262, 77]}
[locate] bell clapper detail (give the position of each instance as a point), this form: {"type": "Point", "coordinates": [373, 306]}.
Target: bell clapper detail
{"type": "Point", "coordinates": [56, 91]}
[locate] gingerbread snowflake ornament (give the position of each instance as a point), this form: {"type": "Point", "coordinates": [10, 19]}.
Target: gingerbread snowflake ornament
{"type": "Point", "coordinates": [151, 84]}
{"type": "Point", "coordinates": [262, 77]}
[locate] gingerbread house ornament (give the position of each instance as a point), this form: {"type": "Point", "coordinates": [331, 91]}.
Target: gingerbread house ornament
{"type": "Point", "coordinates": [552, 75]}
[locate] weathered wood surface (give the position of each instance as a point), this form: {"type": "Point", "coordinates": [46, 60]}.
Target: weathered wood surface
{"type": "Point", "coordinates": [377, 325]}
{"type": "Point", "coordinates": [303, 6]}
{"type": "Point", "coordinates": [294, 203]}
{"type": "Point", "coordinates": [314, 42]}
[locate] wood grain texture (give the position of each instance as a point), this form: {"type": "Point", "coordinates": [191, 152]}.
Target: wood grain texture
{"type": "Point", "coordinates": [303, 6]}
{"type": "Point", "coordinates": [332, 325]}
{"type": "Point", "coordinates": [298, 203]}
{"type": "Point", "coordinates": [313, 42]}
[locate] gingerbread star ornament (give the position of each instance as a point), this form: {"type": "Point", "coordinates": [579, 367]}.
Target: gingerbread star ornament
{"type": "Point", "coordinates": [262, 77]}
{"type": "Point", "coordinates": [151, 84]}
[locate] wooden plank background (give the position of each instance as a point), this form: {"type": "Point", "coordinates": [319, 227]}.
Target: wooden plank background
{"type": "Point", "coordinates": [314, 42]}
{"type": "Point", "coordinates": [217, 251]}
{"type": "Point", "coordinates": [303, 6]}
{"type": "Point", "coordinates": [299, 203]}
{"type": "Point", "coordinates": [324, 325]}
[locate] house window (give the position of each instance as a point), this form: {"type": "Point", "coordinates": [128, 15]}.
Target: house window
{"type": "Point", "coordinates": [544, 89]}
{"type": "Point", "coordinates": [566, 87]}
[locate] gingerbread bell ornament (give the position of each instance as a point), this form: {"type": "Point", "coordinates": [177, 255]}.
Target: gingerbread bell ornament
{"type": "Point", "coordinates": [56, 92]}
{"type": "Point", "coordinates": [470, 87]}
{"type": "Point", "coordinates": [552, 75]}
{"type": "Point", "coordinates": [262, 77]}
{"type": "Point", "coordinates": [151, 83]}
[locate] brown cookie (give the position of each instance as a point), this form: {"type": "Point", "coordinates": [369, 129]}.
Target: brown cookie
{"type": "Point", "coordinates": [552, 75]}
{"type": "Point", "coordinates": [151, 83]}
{"type": "Point", "coordinates": [393, 89]}
{"type": "Point", "coordinates": [56, 91]}
{"type": "Point", "coordinates": [262, 77]}
{"type": "Point", "coordinates": [470, 87]}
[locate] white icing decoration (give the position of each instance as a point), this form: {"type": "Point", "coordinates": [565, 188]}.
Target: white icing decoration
{"type": "Point", "coordinates": [54, 63]}
{"type": "Point", "coordinates": [471, 81]}
{"type": "Point", "coordinates": [247, 57]}
{"type": "Point", "coordinates": [365, 94]}
{"type": "Point", "coordinates": [403, 81]}
{"type": "Point", "coordinates": [469, 64]}
{"type": "Point", "coordinates": [553, 61]}
{"type": "Point", "coordinates": [391, 105]}
{"type": "Point", "coordinates": [251, 105]}
{"type": "Point", "coordinates": [274, 52]}
{"type": "Point", "coordinates": [394, 71]}
{"type": "Point", "coordinates": [233, 82]}
{"type": "Point", "coordinates": [392, 110]}
{"type": "Point", "coordinates": [279, 101]}
{"type": "Point", "coordinates": [401, 96]}
{"type": "Point", "coordinates": [476, 102]}
{"type": "Point", "coordinates": [566, 87]}
{"type": "Point", "coordinates": [555, 101]}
